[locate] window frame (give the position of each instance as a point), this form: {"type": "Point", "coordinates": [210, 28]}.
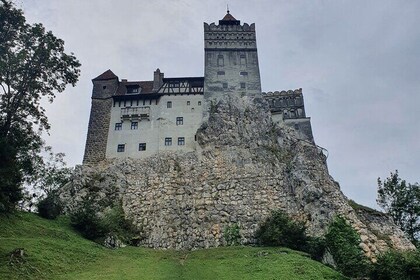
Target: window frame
{"type": "Point", "coordinates": [134, 125]}
{"type": "Point", "coordinates": [179, 120]}
{"type": "Point", "coordinates": [142, 147]}
{"type": "Point", "coordinates": [168, 141]}
{"type": "Point", "coordinates": [181, 141]}
{"type": "Point", "coordinates": [120, 148]}
{"type": "Point", "coordinates": [169, 104]}
{"type": "Point", "coordinates": [118, 126]}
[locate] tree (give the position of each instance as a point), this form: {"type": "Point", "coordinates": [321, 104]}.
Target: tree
{"type": "Point", "coordinates": [401, 200]}
{"type": "Point", "coordinates": [33, 66]}
{"type": "Point", "coordinates": [343, 242]}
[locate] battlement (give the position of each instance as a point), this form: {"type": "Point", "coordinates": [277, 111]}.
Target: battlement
{"type": "Point", "coordinates": [282, 93]}
{"type": "Point", "coordinates": [223, 27]}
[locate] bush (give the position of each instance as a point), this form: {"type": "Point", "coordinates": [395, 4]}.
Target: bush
{"type": "Point", "coordinates": [279, 230]}
{"type": "Point", "coordinates": [50, 207]}
{"type": "Point", "coordinates": [231, 235]}
{"type": "Point", "coordinates": [397, 265]}
{"type": "Point", "coordinates": [86, 221]}
{"type": "Point", "coordinates": [343, 243]}
{"type": "Point", "coordinates": [97, 227]}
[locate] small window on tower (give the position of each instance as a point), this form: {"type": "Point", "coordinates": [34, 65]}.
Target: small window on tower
{"type": "Point", "coordinates": [188, 103]}
{"type": "Point", "coordinates": [169, 104]}
{"type": "Point", "coordinates": [225, 85]}
{"type": "Point", "coordinates": [220, 61]}
{"type": "Point", "coordinates": [220, 73]}
{"type": "Point", "coordinates": [121, 148]}
{"type": "Point", "coordinates": [118, 126]}
{"type": "Point", "coordinates": [199, 103]}
{"type": "Point", "coordinates": [181, 141]}
{"type": "Point", "coordinates": [243, 73]}
{"type": "Point", "coordinates": [242, 59]}
{"type": "Point", "coordinates": [243, 85]}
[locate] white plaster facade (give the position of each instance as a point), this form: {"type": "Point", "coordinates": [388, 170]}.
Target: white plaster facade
{"type": "Point", "coordinates": [161, 124]}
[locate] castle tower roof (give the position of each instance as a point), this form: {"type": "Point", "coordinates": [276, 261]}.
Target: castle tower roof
{"type": "Point", "coordinates": [228, 19]}
{"type": "Point", "coordinates": [107, 75]}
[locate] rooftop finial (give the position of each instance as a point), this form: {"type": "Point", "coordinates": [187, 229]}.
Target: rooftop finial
{"type": "Point", "coordinates": [227, 6]}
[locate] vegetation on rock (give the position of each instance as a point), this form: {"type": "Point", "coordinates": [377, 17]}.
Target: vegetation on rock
{"type": "Point", "coordinates": [279, 230]}
{"type": "Point", "coordinates": [343, 242]}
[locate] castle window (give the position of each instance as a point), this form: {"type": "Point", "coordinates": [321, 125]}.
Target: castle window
{"type": "Point", "coordinates": [181, 141]}
{"type": "Point", "coordinates": [179, 120]}
{"type": "Point", "coordinates": [168, 141]}
{"type": "Point", "coordinates": [243, 85]}
{"type": "Point", "coordinates": [118, 126]}
{"type": "Point", "coordinates": [242, 59]}
{"type": "Point", "coordinates": [142, 147]}
{"type": "Point", "coordinates": [243, 73]}
{"type": "Point", "coordinates": [104, 87]}
{"type": "Point", "coordinates": [199, 103]}
{"type": "Point", "coordinates": [220, 61]}
{"type": "Point", "coordinates": [133, 89]}
{"type": "Point", "coordinates": [225, 85]}
{"type": "Point", "coordinates": [169, 104]}
{"type": "Point", "coordinates": [220, 73]}
{"type": "Point", "coordinates": [188, 103]}
{"type": "Point", "coordinates": [174, 84]}
{"type": "Point", "coordinates": [134, 125]}
{"type": "Point", "coordinates": [121, 148]}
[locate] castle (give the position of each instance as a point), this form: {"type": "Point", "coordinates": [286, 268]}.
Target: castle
{"type": "Point", "coordinates": [188, 158]}
{"type": "Point", "coordinates": [138, 119]}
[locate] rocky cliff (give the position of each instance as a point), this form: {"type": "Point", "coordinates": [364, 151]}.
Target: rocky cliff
{"type": "Point", "coordinates": [245, 167]}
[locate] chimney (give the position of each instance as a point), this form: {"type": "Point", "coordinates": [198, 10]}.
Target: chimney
{"type": "Point", "coordinates": [157, 79]}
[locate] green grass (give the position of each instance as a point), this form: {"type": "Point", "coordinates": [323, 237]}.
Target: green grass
{"type": "Point", "coordinates": [53, 250]}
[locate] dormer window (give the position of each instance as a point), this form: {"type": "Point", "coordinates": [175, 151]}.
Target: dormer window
{"type": "Point", "coordinates": [133, 89]}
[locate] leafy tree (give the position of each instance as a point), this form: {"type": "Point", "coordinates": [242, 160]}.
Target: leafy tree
{"type": "Point", "coordinates": [401, 200]}
{"type": "Point", "coordinates": [33, 66]}
{"type": "Point", "coordinates": [343, 242]}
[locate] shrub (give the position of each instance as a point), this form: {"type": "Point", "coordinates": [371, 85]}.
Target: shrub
{"type": "Point", "coordinates": [343, 243]}
{"type": "Point", "coordinates": [97, 227]}
{"type": "Point", "coordinates": [86, 220]}
{"type": "Point", "coordinates": [279, 230]}
{"type": "Point", "coordinates": [397, 265]}
{"type": "Point", "coordinates": [231, 235]}
{"type": "Point", "coordinates": [50, 207]}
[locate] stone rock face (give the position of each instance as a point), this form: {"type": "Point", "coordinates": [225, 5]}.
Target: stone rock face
{"type": "Point", "coordinates": [246, 166]}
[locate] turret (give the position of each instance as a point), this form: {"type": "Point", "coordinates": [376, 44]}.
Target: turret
{"type": "Point", "coordinates": [104, 87]}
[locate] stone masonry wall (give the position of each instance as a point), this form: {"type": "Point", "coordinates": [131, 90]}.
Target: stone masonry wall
{"type": "Point", "coordinates": [245, 166]}
{"type": "Point", "coordinates": [100, 115]}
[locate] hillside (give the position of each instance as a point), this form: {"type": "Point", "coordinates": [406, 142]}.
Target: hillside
{"type": "Point", "coordinates": [54, 251]}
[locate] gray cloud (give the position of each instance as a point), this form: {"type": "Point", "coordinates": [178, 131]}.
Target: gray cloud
{"type": "Point", "coordinates": [358, 63]}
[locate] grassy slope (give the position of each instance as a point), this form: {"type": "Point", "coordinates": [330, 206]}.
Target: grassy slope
{"type": "Point", "coordinates": [54, 251]}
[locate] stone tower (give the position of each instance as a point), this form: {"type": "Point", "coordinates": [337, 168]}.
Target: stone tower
{"type": "Point", "coordinates": [104, 87]}
{"type": "Point", "coordinates": [231, 60]}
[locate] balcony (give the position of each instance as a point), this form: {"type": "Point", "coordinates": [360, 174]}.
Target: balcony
{"type": "Point", "coordinates": [135, 113]}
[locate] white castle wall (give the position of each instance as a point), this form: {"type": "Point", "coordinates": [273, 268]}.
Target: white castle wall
{"type": "Point", "coordinates": [160, 125]}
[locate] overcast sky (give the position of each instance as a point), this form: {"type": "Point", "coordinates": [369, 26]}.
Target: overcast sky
{"type": "Point", "coordinates": [358, 63]}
